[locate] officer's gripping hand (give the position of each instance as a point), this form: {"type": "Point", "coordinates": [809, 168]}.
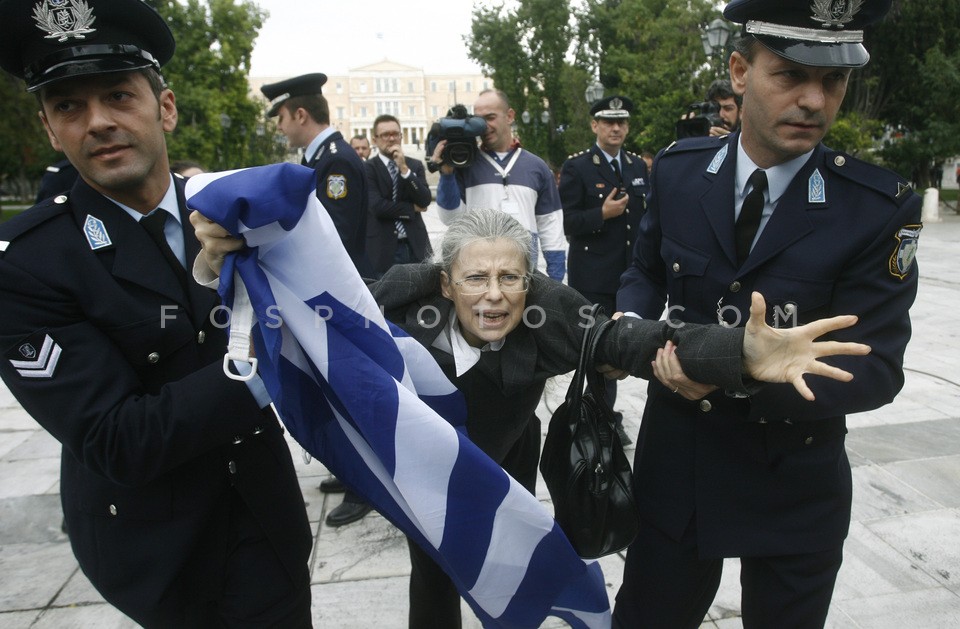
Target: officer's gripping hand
{"type": "Point", "coordinates": [786, 354]}
{"type": "Point", "coordinates": [216, 242]}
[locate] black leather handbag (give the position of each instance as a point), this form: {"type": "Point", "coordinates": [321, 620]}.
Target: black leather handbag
{"type": "Point", "coordinates": [584, 466]}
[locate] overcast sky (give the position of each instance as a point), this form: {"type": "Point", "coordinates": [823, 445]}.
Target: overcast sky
{"type": "Point", "coordinates": [302, 36]}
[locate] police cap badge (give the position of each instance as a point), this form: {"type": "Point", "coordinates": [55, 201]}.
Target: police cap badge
{"type": "Point", "coordinates": [303, 85]}
{"type": "Point", "coordinates": [826, 33]}
{"type": "Point", "coordinates": [42, 41]}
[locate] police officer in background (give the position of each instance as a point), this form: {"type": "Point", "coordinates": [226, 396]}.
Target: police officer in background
{"type": "Point", "coordinates": [177, 485]}
{"type": "Point", "coordinates": [304, 118]}
{"type": "Point", "coordinates": [603, 191]}
{"type": "Point", "coordinates": [765, 477]}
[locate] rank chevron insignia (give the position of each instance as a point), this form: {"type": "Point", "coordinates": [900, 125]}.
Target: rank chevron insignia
{"type": "Point", "coordinates": [38, 364]}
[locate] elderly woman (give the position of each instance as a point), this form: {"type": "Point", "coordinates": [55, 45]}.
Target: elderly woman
{"type": "Point", "coordinates": [499, 331]}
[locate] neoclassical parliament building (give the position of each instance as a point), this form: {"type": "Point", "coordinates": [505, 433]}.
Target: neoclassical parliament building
{"type": "Point", "coordinates": [386, 87]}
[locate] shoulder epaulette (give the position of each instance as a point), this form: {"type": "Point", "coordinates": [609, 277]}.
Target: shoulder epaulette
{"type": "Point", "coordinates": [578, 154]}
{"type": "Point", "coordinates": [702, 143]}
{"type": "Point", "coordinates": [37, 215]}
{"type": "Point", "coordinates": [882, 180]}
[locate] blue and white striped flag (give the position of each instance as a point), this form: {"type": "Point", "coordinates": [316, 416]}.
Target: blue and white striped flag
{"type": "Point", "coordinates": [371, 403]}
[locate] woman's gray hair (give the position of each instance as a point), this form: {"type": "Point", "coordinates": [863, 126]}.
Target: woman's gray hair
{"type": "Point", "coordinates": [483, 224]}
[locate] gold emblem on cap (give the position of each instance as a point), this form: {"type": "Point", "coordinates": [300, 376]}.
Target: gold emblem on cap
{"type": "Point", "coordinates": [63, 19]}
{"type": "Point", "coordinates": [834, 13]}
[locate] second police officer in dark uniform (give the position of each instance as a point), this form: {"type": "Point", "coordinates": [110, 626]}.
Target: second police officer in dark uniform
{"type": "Point", "coordinates": [603, 191]}
{"type": "Point", "coordinates": [765, 477]}
{"type": "Point", "coordinates": [304, 118]}
{"type": "Point", "coordinates": [177, 484]}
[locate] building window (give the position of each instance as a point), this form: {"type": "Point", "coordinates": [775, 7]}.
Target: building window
{"type": "Point", "coordinates": [377, 87]}
{"type": "Point", "coordinates": [411, 111]}
{"type": "Point", "coordinates": [363, 112]}
{"type": "Point", "coordinates": [395, 85]}
{"type": "Point", "coordinates": [486, 85]}
{"type": "Point", "coordinates": [468, 87]}
{"type": "Point", "coordinates": [452, 86]}
{"type": "Point", "coordinates": [339, 88]}
{"type": "Point", "coordinates": [433, 86]}
{"type": "Point", "coordinates": [435, 111]}
{"type": "Point", "coordinates": [363, 87]}
{"type": "Point", "coordinates": [340, 112]}
{"type": "Point", "coordinates": [410, 86]}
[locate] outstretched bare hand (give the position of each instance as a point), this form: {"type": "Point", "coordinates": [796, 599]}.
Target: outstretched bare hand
{"type": "Point", "coordinates": [786, 354]}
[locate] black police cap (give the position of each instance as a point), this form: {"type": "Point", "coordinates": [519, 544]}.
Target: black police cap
{"type": "Point", "coordinates": [280, 91]}
{"type": "Point", "coordinates": [826, 33]}
{"type": "Point", "coordinates": [42, 41]}
{"type": "Point", "coordinates": [612, 107]}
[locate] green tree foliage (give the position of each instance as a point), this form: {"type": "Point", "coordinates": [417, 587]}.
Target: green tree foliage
{"type": "Point", "coordinates": [221, 125]}
{"type": "Point", "coordinates": [912, 85]}
{"type": "Point", "coordinates": [26, 150]}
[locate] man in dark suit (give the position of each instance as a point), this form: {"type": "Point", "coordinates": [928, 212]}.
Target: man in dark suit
{"type": "Point", "coordinates": [177, 485]}
{"type": "Point", "coordinates": [765, 477]}
{"type": "Point", "coordinates": [304, 118]}
{"type": "Point", "coordinates": [399, 193]}
{"type": "Point", "coordinates": [603, 192]}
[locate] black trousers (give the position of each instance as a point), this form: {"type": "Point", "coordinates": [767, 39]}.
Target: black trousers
{"type": "Point", "coordinates": [666, 585]}
{"type": "Point", "coordinates": [434, 600]}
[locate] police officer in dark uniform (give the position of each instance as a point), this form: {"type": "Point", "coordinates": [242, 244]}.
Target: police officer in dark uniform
{"type": "Point", "coordinates": [304, 118]}
{"type": "Point", "coordinates": [177, 484]}
{"type": "Point", "coordinates": [765, 477]}
{"type": "Point", "coordinates": [603, 191]}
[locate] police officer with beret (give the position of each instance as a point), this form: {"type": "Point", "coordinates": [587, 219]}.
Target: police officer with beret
{"type": "Point", "coordinates": [303, 116]}
{"type": "Point", "coordinates": [765, 477]}
{"type": "Point", "coordinates": [177, 485]}
{"type": "Point", "coordinates": [603, 191]}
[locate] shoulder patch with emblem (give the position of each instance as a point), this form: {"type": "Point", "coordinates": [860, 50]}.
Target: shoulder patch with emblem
{"type": "Point", "coordinates": [336, 186]}
{"type": "Point", "coordinates": [36, 356]}
{"type": "Point", "coordinates": [901, 260]}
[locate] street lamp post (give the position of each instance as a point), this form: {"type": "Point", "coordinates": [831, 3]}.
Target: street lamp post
{"type": "Point", "coordinates": [714, 40]}
{"type": "Point", "coordinates": [594, 92]}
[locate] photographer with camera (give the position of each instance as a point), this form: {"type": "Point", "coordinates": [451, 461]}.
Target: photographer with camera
{"type": "Point", "coordinates": [717, 116]}
{"type": "Point", "coordinates": [501, 176]}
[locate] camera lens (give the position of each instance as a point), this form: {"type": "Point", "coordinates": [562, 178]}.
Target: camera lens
{"type": "Point", "coordinates": [459, 154]}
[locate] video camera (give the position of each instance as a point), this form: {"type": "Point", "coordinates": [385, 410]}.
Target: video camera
{"type": "Point", "coordinates": [461, 131]}
{"type": "Point", "coordinates": [707, 115]}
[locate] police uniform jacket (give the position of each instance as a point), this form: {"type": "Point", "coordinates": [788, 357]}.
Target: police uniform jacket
{"type": "Point", "coordinates": [106, 351]}
{"type": "Point", "coordinates": [600, 250]}
{"type": "Point", "coordinates": [342, 189]}
{"type": "Point", "coordinates": [768, 474]}
{"type": "Point", "coordinates": [385, 212]}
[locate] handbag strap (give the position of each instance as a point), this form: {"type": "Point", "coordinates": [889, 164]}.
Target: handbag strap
{"type": "Point", "coordinates": [585, 367]}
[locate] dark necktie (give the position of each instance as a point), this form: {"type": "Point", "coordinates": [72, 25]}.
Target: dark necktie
{"type": "Point", "coordinates": [616, 169]}
{"type": "Point", "coordinates": [303, 160]}
{"type": "Point", "coordinates": [750, 212]}
{"type": "Point", "coordinates": [395, 177]}
{"type": "Point", "coordinates": [153, 224]}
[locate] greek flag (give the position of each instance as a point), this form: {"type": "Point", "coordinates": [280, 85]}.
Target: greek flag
{"type": "Point", "coordinates": [371, 404]}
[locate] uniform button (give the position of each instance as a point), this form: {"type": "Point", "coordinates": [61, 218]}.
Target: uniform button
{"type": "Point", "coordinates": [232, 466]}
{"type": "Point", "coordinates": [808, 441]}
{"type": "Point", "coordinates": [201, 337]}
{"type": "Point", "coordinates": [112, 509]}
{"type": "Point", "coordinates": [257, 430]}
{"type": "Point", "coordinates": [735, 287]}
{"type": "Point", "coordinates": [153, 358]}
{"type": "Point", "coordinates": [628, 243]}
{"type": "Point", "coordinates": [61, 199]}
{"type": "Point", "coordinates": [706, 406]}
{"type": "Point", "coordinates": [839, 160]}
{"type": "Point", "coordinates": [586, 248]}
{"type": "Point", "coordinates": [237, 440]}
{"type": "Point", "coordinates": [676, 267]}
{"type": "Point", "coordinates": [628, 227]}
{"type": "Point", "coordinates": [627, 212]}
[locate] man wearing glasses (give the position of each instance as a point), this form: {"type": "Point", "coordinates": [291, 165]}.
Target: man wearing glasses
{"type": "Point", "coordinates": [303, 116]}
{"type": "Point", "coordinates": [399, 192]}
{"type": "Point", "coordinates": [602, 190]}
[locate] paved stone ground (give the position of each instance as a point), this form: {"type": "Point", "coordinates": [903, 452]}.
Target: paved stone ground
{"type": "Point", "coordinates": [901, 560]}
